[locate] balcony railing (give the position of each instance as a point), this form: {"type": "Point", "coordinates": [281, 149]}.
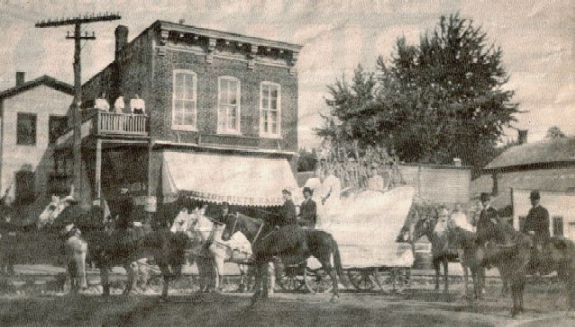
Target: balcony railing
{"type": "Point", "coordinates": [101, 123]}
{"type": "Point", "coordinates": [121, 124]}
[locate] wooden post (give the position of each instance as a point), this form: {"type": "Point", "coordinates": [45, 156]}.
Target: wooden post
{"type": "Point", "coordinates": [98, 170]}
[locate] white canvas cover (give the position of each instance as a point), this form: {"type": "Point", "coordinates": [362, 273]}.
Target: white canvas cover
{"type": "Point", "coordinates": [367, 226]}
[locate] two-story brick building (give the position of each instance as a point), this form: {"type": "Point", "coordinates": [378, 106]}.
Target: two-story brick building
{"type": "Point", "coordinates": [220, 122]}
{"type": "Point", "coordinates": [33, 114]}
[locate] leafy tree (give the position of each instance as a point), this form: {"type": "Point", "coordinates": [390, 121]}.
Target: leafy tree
{"type": "Point", "coordinates": [307, 160]}
{"type": "Point", "coordinates": [554, 133]}
{"type": "Point", "coordinates": [431, 102]}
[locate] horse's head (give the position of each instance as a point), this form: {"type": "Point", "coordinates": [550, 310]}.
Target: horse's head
{"type": "Point", "coordinates": [231, 222]}
{"type": "Point", "coordinates": [241, 223]}
{"type": "Point", "coordinates": [51, 212]}
{"type": "Point", "coordinates": [424, 226]}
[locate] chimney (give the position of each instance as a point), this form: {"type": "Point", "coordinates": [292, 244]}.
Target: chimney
{"type": "Point", "coordinates": [20, 78]}
{"type": "Point", "coordinates": [121, 33]}
{"type": "Point", "coordinates": [522, 136]}
{"type": "Point", "coordinates": [457, 162]}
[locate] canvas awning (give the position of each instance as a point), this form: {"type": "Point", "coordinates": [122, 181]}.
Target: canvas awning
{"type": "Point", "coordinates": [236, 179]}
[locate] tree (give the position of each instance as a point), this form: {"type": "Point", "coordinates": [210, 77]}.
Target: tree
{"type": "Point", "coordinates": [431, 102]}
{"type": "Point", "coordinates": [554, 133]}
{"type": "Point", "coordinates": [307, 160]}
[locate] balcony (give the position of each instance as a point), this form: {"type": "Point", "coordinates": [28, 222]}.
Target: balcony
{"type": "Point", "coordinates": [97, 123]}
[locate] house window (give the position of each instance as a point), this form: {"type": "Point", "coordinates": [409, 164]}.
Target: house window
{"type": "Point", "coordinates": [228, 105]}
{"type": "Point", "coordinates": [56, 126]}
{"type": "Point", "coordinates": [184, 100]}
{"type": "Point", "coordinates": [26, 129]}
{"type": "Point", "coordinates": [24, 187]}
{"type": "Point", "coordinates": [270, 109]}
{"type": "Point", "coordinates": [557, 226]}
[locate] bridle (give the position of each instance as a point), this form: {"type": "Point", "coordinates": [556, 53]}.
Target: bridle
{"type": "Point", "coordinates": [237, 216]}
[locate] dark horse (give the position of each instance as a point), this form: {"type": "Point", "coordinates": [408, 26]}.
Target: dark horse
{"type": "Point", "coordinates": [451, 246]}
{"type": "Point", "coordinates": [320, 244]}
{"type": "Point", "coordinates": [511, 251]}
{"type": "Point", "coordinates": [109, 249]}
{"type": "Point", "coordinates": [124, 248]}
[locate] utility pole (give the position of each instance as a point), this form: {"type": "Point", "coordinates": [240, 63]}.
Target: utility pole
{"type": "Point", "coordinates": [76, 104]}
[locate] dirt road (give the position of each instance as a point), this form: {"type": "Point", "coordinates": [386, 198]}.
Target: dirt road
{"type": "Point", "coordinates": [414, 308]}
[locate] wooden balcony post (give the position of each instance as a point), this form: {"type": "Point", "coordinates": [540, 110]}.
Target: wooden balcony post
{"type": "Point", "coordinates": [98, 170]}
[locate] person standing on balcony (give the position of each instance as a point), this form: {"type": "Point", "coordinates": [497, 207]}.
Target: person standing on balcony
{"type": "Point", "coordinates": [138, 106]}
{"type": "Point", "coordinates": [101, 103]}
{"type": "Point", "coordinates": [119, 105]}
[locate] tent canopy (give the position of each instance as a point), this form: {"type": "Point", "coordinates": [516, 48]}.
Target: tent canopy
{"type": "Point", "coordinates": [236, 179]}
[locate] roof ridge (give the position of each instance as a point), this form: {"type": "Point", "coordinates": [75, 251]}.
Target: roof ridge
{"type": "Point", "coordinates": [43, 79]}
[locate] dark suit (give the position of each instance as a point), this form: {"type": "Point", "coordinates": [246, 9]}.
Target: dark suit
{"type": "Point", "coordinates": [124, 207]}
{"type": "Point", "coordinates": [287, 215]}
{"type": "Point", "coordinates": [484, 224]}
{"type": "Point", "coordinates": [308, 213]}
{"type": "Point", "coordinates": [537, 221]}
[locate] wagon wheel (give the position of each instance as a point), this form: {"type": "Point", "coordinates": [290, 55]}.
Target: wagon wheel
{"type": "Point", "coordinates": [362, 279]}
{"type": "Point", "coordinates": [292, 280]}
{"type": "Point", "coordinates": [317, 280]}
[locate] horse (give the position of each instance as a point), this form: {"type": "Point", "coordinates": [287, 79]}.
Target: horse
{"type": "Point", "coordinates": [75, 246]}
{"type": "Point", "coordinates": [320, 244]}
{"type": "Point", "coordinates": [209, 250]}
{"type": "Point", "coordinates": [462, 251]}
{"type": "Point", "coordinates": [109, 248]}
{"type": "Point", "coordinates": [512, 251]}
{"type": "Point", "coordinates": [441, 253]}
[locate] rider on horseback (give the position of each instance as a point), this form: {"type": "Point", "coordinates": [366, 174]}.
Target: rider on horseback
{"type": "Point", "coordinates": [537, 225]}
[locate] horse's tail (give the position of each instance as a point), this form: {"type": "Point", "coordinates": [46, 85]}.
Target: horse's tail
{"type": "Point", "coordinates": [337, 259]}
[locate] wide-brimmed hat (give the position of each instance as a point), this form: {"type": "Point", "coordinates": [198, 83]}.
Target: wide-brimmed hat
{"type": "Point", "coordinates": [307, 189]}
{"type": "Point", "coordinates": [534, 195]}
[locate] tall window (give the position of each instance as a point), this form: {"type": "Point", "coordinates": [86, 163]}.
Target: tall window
{"type": "Point", "coordinates": [24, 187]}
{"type": "Point", "coordinates": [557, 226]}
{"type": "Point", "coordinates": [26, 129]}
{"type": "Point", "coordinates": [184, 100]}
{"type": "Point", "coordinates": [228, 105]}
{"type": "Point", "coordinates": [56, 126]}
{"type": "Point", "coordinates": [270, 109]}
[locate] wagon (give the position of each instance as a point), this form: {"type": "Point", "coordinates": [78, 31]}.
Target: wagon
{"type": "Point", "coordinates": [365, 226]}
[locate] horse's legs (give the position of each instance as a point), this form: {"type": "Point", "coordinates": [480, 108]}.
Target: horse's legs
{"type": "Point", "coordinates": [257, 283]}
{"type": "Point", "coordinates": [130, 269]}
{"type": "Point", "coordinates": [166, 280]}
{"type": "Point", "coordinates": [219, 272]}
{"type": "Point", "coordinates": [143, 273]}
{"type": "Point", "coordinates": [515, 291]}
{"type": "Point", "coordinates": [73, 274]}
{"type": "Point", "coordinates": [446, 278]}
{"type": "Point", "coordinates": [80, 259]}
{"type": "Point", "coordinates": [265, 280]}
{"type": "Point", "coordinates": [271, 277]}
{"type": "Point", "coordinates": [465, 279]}
{"type": "Point", "coordinates": [104, 280]}
{"type": "Point", "coordinates": [436, 267]}
{"type": "Point", "coordinates": [505, 286]}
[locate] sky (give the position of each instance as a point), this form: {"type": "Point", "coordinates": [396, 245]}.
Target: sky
{"type": "Point", "coordinates": [537, 39]}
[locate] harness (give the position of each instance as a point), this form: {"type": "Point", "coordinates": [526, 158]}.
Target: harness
{"type": "Point", "coordinates": [257, 234]}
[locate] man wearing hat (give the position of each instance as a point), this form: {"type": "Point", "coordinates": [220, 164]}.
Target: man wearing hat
{"type": "Point", "coordinates": [487, 217]}
{"type": "Point", "coordinates": [537, 225]}
{"type": "Point", "coordinates": [308, 209]}
{"type": "Point", "coordinates": [287, 214]}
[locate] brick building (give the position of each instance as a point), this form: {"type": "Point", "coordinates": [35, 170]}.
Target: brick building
{"type": "Point", "coordinates": [33, 113]}
{"type": "Point", "coordinates": [220, 119]}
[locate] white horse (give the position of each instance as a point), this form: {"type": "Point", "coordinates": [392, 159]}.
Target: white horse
{"type": "Point", "coordinates": [202, 229]}
{"type": "Point", "coordinates": [76, 248]}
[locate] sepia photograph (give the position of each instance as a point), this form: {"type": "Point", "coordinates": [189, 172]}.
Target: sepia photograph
{"type": "Point", "coordinates": [287, 163]}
